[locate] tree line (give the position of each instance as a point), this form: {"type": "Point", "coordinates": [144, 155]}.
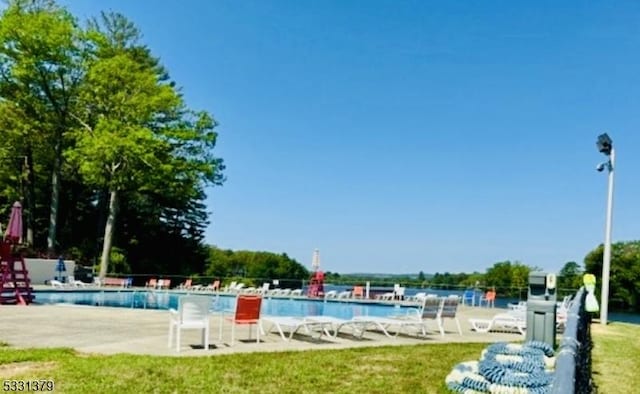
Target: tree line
{"type": "Point", "coordinates": [99, 145]}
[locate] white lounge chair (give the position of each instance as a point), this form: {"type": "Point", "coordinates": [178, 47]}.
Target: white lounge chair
{"type": "Point", "coordinates": [292, 324]}
{"type": "Point", "coordinates": [386, 296]}
{"type": "Point", "coordinates": [384, 324]}
{"type": "Point", "coordinates": [75, 283]}
{"type": "Point", "coordinates": [230, 287]}
{"type": "Point", "coordinates": [56, 284]}
{"type": "Point", "coordinates": [356, 327]}
{"type": "Point", "coordinates": [502, 322]}
{"type": "Point", "coordinates": [331, 294]}
{"type": "Point", "coordinates": [192, 313]}
{"type": "Point", "coordinates": [438, 309]}
{"type": "Point", "coordinates": [79, 283]}
{"type": "Point", "coordinates": [264, 290]}
{"type": "Point", "coordinates": [418, 297]}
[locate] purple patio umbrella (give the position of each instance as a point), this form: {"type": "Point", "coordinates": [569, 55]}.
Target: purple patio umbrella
{"type": "Point", "coordinates": [14, 228]}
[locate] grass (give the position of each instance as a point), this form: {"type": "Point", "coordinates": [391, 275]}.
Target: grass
{"type": "Point", "coordinates": [616, 357]}
{"type": "Point", "coordinates": [406, 369]}
{"type": "Point", "coordinates": [403, 369]}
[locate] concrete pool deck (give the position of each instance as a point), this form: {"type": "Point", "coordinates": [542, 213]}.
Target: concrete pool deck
{"type": "Point", "coordinates": [108, 330]}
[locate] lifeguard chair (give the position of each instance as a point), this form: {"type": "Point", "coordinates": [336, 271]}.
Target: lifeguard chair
{"type": "Point", "coordinates": [316, 282]}
{"type": "Point", "coordinates": [15, 285]}
{"type": "Point", "coordinates": [316, 285]}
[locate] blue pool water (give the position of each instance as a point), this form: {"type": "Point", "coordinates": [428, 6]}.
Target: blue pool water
{"type": "Point", "coordinates": [166, 300]}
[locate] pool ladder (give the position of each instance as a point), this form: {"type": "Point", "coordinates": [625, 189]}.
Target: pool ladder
{"type": "Point", "coordinates": [149, 298]}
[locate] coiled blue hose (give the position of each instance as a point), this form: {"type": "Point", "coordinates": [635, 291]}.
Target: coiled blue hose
{"type": "Point", "coordinates": [505, 368]}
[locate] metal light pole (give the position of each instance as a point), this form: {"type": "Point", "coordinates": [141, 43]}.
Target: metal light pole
{"type": "Point", "coordinates": [605, 145]}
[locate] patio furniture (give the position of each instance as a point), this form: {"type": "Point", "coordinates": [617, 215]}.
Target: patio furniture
{"type": "Point", "coordinates": [186, 285]}
{"type": "Point", "coordinates": [438, 309]}
{"type": "Point", "coordinates": [358, 292]}
{"type": "Point", "coordinates": [192, 313]}
{"type": "Point", "coordinates": [331, 294]}
{"type": "Point", "coordinates": [247, 312]}
{"type": "Point", "coordinates": [469, 297]}
{"type": "Point", "coordinates": [384, 324]}
{"type": "Point", "coordinates": [152, 283]}
{"type": "Point", "coordinates": [488, 298]}
{"type": "Point", "coordinates": [56, 284]}
{"type": "Point", "coordinates": [503, 322]}
{"type": "Point", "coordinates": [335, 324]}
{"type": "Point", "coordinates": [294, 324]}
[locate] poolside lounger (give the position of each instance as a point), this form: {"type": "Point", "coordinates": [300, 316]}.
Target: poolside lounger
{"type": "Point", "coordinates": [264, 290]}
{"type": "Point", "coordinates": [438, 309]}
{"type": "Point", "coordinates": [77, 283]}
{"type": "Point", "coordinates": [230, 287]}
{"type": "Point", "coordinates": [418, 297]}
{"type": "Point", "coordinates": [385, 323]}
{"type": "Point", "coordinates": [293, 324]}
{"type": "Point", "coordinates": [331, 294]}
{"type": "Point", "coordinates": [501, 322]}
{"type": "Point", "coordinates": [214, 286]}
{"type": "Point", "coordinates": [344, 294]}
{"type": "Point", "coordinates": [186, 285]}
{"type": "Point", "coordinates": [357, 327]}
{"type": "Point", "coordinates": [56, 284]}
{"type": "Point", "coordinates": [386, 296]}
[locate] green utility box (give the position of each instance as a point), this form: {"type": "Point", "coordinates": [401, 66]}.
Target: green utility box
{"type": "Point", "coordinates": [541, 308]}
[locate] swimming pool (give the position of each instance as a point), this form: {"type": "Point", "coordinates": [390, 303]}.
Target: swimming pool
{"type": "Point", "coordinates": [167, 299]}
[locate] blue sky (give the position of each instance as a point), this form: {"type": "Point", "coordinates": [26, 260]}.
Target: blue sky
{"type": "Point", "coordinates": [400, 136]}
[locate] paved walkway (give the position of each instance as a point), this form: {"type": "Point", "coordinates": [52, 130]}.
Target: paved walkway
{"type": "Point", "coordinates": [107, 330]}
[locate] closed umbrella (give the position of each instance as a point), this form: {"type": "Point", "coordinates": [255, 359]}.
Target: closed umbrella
{"type": "Point", "coordinates": [14, 228]}
{"type": "Point", "coordinates": [315, 262]}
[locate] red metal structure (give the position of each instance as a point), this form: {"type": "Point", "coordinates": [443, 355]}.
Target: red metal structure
{"type": "Point", "coordinates": [15, 285]}
{"type": "Point", "coordinates": [316, 283]}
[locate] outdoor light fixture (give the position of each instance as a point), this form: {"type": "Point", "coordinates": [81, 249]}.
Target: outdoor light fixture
{"type": "Point", "coordinates": [605, 146]}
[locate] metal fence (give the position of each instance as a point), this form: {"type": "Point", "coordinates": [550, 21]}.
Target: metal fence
{"type": "Point", "coordinates": [573, 363]}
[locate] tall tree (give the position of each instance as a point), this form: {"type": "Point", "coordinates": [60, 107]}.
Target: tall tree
{"type": "Point", "coordinates": [570, 276]}
{"type": "Point", "coordinates": [624, 281]}
{"type": "Point", "coordinates": [41, 65]}
{"type": "Point", "coordinates": [136, 132]}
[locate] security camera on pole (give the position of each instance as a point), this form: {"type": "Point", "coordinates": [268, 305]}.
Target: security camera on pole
{"type": "Point", "coordinates": [605, 146]}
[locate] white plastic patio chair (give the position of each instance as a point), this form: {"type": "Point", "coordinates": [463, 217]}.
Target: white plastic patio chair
{"type": "Point", "coordinates": [192, 313]}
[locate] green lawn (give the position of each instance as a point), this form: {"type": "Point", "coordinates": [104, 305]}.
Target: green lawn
{"type": "Point", "coordinates": [406, 369]}
{"type": "Point", "coordinates": [616, 357]}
